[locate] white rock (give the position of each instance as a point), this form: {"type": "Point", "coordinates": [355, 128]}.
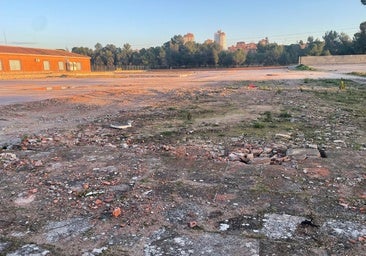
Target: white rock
{"type": "Point", "coordinates": [224, 227]}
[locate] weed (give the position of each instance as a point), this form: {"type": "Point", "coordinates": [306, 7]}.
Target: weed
{"type": "Point", "coordinates": [168, 133]}
{"type": "Point", "coordinates": [258, 125]}
{"type": "Point", "coordinates": [307, 80]}
{"type": "Point", "coordinates": [279, 90]}
{"type": "Point", "coordinates": [342, 84]}
{"type": "Point", "coordinates": [267, 116]}
{"type": "Point", "coordinates": [284, 115]}
{"type": "Point", "coordinates": [356, 146]}
{"type": "Point", "coordinates": [185, 115]}
{"type": "Point", "coordinates": [264, 88]}
{"type": "Point", "coordinates": [189, 116]}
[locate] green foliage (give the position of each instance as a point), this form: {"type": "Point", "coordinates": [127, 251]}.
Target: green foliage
{"type": "Point", "coordinates": [176, 53]}
{"type": "Point", "coordinates": [258, 125]}
{"type": "Point", "coordinates": [363, 74]}
{"type": "Point", "coordinates": [267, 116]}
{"type": "Point", "coordinates": [342, 85]}
{"type": "Point", "coordinates": [303, 67]}
{"type": "Point", "coordinates": [314, 48]}
{"type": "Point", "coordinates": [168, 133]}
{"type": "Point", "coordinates": [337, 44]}
{"type": "Point", "coordinates": [285, 115]}
{"type": "Point", "coordinates": [360, 39]}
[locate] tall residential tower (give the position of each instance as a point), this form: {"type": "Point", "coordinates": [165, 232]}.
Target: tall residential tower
{"type": "Point", "coordinates": [220, 39]}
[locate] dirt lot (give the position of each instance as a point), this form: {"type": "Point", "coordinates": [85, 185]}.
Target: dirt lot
{"type": "Point", "coordinates": [224, 162]}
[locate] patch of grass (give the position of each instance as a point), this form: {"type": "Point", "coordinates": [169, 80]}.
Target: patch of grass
{"type": "Point", "coordinates": [185, 115]}
{"type": "Point", "coordinates": [264, 88]}
{"type": "Point", "coordinates": [168, 133]}
{"type": "Point", "coordinates": [284, 115]}
{"type": "Point", "coordinates": [234, 86]}
{"type": "Point", "coordinates": [258, 125]}
{"type": "Point", "coordinates": [303, 67]}
{"type": "Point", "coordinates": [350, 97]}
{"type": "Point", "coordinates": [356, 146]}
{"type": "Point", "coordinates": [363, 74]}
{"type": "Point", "coordinates": [279, 90]}
{"type": "Point", "coordinates": [330, 81]}
{"type": "Point", "coordinates": [267, 117]}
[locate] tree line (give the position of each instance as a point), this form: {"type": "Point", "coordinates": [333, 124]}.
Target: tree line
{"type": "Point", "coordinates": [176, 53]}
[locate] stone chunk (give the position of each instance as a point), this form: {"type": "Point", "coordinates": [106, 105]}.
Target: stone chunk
{"type": "Point", "coordinates": [302, 153]}
{"type": "Point", "coordinates": [57, 230]}
{"type": "Point", "coordinates": [30, 249]}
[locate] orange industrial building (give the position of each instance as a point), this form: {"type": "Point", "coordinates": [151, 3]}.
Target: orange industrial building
{"type": "Point", "coordinates": [15, 59]}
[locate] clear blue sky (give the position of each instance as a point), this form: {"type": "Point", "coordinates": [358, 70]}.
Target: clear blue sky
{"type": "Point", "coordinates": [144, 23]}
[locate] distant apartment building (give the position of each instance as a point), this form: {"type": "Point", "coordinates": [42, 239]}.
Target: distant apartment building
{"type": "Point", "coordinates": [220, 39]}
{"type": "Point", "coordinates": [189, 37]}
{"type": "Point", "coordinates": [208, 41]}
{"type": "Point", "coordinates": [264, 41]}
{"type": "Point", "coordinates": [251, 47]}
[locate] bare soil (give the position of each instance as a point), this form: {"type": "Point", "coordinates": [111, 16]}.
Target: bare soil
{"type": "Point", "coordinates": [224, 162]}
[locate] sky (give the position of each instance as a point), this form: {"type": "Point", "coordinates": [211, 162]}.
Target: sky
{"type": "Point", "coordinates": [66, 24]}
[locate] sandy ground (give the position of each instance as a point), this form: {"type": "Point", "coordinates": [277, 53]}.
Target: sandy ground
{"type": "Point", "coordinates": [17, 91]}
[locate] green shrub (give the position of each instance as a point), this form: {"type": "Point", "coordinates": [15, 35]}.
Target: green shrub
{"type": "Point", "coordinates": [258, 125]}
{"type": "Point", "coordinates": [303, 67]}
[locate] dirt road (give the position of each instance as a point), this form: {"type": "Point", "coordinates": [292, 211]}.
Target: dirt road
{"type": "Point", "coordinates": [17, 91]}
{"type": "Point", "coordinates": [222, 162]}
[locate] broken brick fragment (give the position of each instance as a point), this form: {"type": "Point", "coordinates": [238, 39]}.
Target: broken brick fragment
{"type": "Point", "coordinates": [192, 224]}
{"type": "Point", "coordinates": [116, 212]}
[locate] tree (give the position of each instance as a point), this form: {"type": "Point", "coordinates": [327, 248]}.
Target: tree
{"type": "Point", "coordinates": [98, 47]}
{"type": "Point", "coordinates": [269, 54]}
{"type": "Point", "coordinates": [359, 40]}
{"type": "Point", "coordinates": [125, 57]}
{"type": "Point", "coordinates": [188, 54]}
{"type": "Point", "coordinates": [83, 51]}
{"type": "Point", "coordinates": [239, 57]}
{"type": "Point", "coordinates": [291, 53]}
{"type": "Point", "coordinates": [337, 44]}
{"type": "Point", "coordinates": [172, 48]}
{"type": "Point", "coordinates": [96, 59]}
{"type": "Point", "coordinates": [363, 2]}
{"type": "Point", "coordinates": [251, 58]}
{"type": "Point", "coordinates": [213, 54]}
{"type": "Point", "coordinates": [226, 58]}
{"type": "Point", "coordinates": [314, 47]}
{"type": "Point", "coordinates": [332, 42]}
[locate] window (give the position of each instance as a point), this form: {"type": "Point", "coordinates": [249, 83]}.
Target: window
{"type": "Point", "coordinates": [73, 66]}
{"type": "Point", "coordinates": [70, 66]}
{"type": "Point", "coordinates": [15, 65]}
{"type": "Point", "coordinates": [46, 65]}
{"type": "Point", "coordinates": [61, 65]}
{"type": "Point", "coordinates": [78, 66]}
{"type": "Point", "coordinates": [1, 65]}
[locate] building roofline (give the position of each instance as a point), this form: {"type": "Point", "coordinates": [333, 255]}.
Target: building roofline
{"type": "Point", "coordinates": [17, 50]}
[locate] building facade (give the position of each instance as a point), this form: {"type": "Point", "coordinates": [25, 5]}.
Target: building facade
{"type": "Point", "coordinates": [21, 59]}
{"type": "Point", "coordinates": [189, 37]}
{"type": "Point", "coordinates": [251, 47]}
{"type": "Point", "coordinates": [220, 39]}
